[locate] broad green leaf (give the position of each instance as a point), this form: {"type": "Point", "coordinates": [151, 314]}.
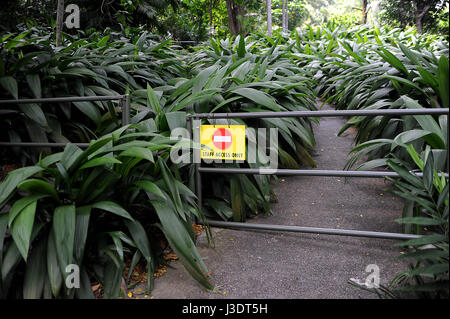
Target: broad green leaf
{"type": "Point", "coordinates": [428, 173]}
{"type": "Point", "coordinates": [202, 78]}
{"type": "Point", "coordinates": [34, 82]}
{"type": "Point", "coordinates": [99, 180]}
{"type": "Point", "coordinates": [152, 190]}
{"type": "Point", "coordinates": [258, 97]}
{"type": "Point", "coordinates": [369, 165]}
{"type": "Point", "coordinates": [94, 148]}
{"type": "Point", "coordinates": [10, 85]}
{"type": "Point", "coordinates": [181, 242]}
{"type": "Point", "coordinates": [33, 285]}
{"type": "Point", "coordinates": [221, 208]}
{"type": "Point", "coordinates": [405, 174]}
{"type": "Point", "coordinates": [153, 100]}
{"type": "Point", "coordinates": [50, 159]}
{"type": "Point", "coordinates": [241, 47]}
{"type": "Point", "coordinates": [409, 53]}
{"type": "Point", "coordinates": [424, 240]}
{"type": "Point", "coordinates": [71, 155]}
{"type": "Point", "coordinates": [405, 82]}
{"type": "Point", "coordinates": [225, 102]}
{"type": "Point", "coordinates": [176, 120]}
{"type": "Point", "coordinates": [22, 227]}
{"type": "Point", "coordinates": [237, 201]}
{"type": "Point", "coordinates": [134, 261]}
{"type": "Point", "coordinates": [12, 255]}
{"type": "Point", "coordinates": [191, 99]}
{"type": "Point", "coordinates": [173, 190]}
{"type": "Point", "coordinates": [90, 110]}
{"type": "Point", "coordinates": [112, 207]}
{"type": "Point", "coordinates": [38, 186]}
{"type": "Point", "coordinates": [427, 122]}
{"type": "Point", "coordinates": [138, 152]}
{"type": "Point", "coordinates": [53, 269]}
{"type": "Point", "coordinates": [409, 136]}
{"type": "Point", "coordinates": [103, 41]}
{"type": "Point", "coordinates": [142, 242]}
{"type": "Point", "coordinates": [118, 244]}
{"type": "Point", "coordinates": [429, 79]}
{"type": "Point", "coordinates": [444, 195]}
{"type": "Point", "coordinates": [429, 271]}
{"type": "Point", "coordinates": [20, 204]}
{"type": "Point", "coordinates": [444, 126]}
{"type": "Point", "coordinates": [35, 113]}
{"type": "Point", "coordinates": [112, 278]}
{"type": "Point", "coordinates": [424, 254]}
{"type": "Point", "coordinates": [81, 231]}
{"type": "Point", "coordinates": [412, 152]}
{"type": "Point", "coordinates": [100, 161]}
{"type": "Point", "coordinates": [393, 60]}
{"type": "Point", "coordinates": [63, 228]}
{"type": "Point", "coordinates": [15, 177]}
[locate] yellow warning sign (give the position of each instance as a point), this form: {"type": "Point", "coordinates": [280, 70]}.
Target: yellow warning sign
{"type": "Point", "coordinates": [223, 142]}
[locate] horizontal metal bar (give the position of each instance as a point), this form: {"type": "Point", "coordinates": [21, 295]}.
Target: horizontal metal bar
{"type": "Point", "coordinates": [333, 113]}
{"type": "Point", "coordinates": [26, 144]}
{"type": "Point", "coordinates": [64, 99]}
{"type": "Point", "coordinates": [313, 230]}
{"type": "Point", "coordinates": [304, 172]}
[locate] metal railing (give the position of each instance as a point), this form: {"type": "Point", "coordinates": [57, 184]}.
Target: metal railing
{"type": "Point", "coordinates": [124, 104]}
{"type": "Point", "coordinates": [302, 172]}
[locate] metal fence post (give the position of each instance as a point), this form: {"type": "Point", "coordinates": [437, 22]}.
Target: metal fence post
{"type": "Point", "coordinates": [197, 163]}
{"type": "Point", "coordinates": [124, 104]}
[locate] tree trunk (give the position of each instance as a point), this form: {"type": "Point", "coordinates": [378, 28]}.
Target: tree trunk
{"type": "Point", "coordinates": [59, 22]}
{"type": "Point", "coordinates": [210, 17]}
{"type": "Point", "coordinates": [210, 13]}
{"type": "Point", "coordinates": [235, 15]}
{"type": "Point", "coordinates": [269, 18]}
{"type": "Point", "coordinates": [364, 12]}
{"type": "Point", "coordinates": [284, 22]}
{"type": "Point", "coordinates": [419, 14]}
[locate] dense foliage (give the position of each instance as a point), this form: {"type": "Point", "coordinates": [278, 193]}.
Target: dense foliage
{"type": "Point", "coordinates": [196, 20]}
{"type": "Point", "coordinates": [85, 208]}
{"type": "Point", "coordinates": [104, 207]}
{"type": "Point", "coordinates": [425, 14]}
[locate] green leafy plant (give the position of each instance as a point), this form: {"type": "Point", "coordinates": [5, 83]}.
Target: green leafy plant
{"type": "Point", "coordinates": [95, 65]}
{"type": "Point", "coordinates": [426, 212]}
{"type": "Point", "coordinates": [61, 212]}
{"type": "Point", "coordinates": [422, 131]}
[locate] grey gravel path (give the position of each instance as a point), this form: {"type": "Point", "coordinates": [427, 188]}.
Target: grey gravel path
{"type": "Point", "coordinates": [257, 264]}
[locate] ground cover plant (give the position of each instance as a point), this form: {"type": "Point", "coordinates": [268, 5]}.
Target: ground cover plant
{"type": "Point", "coordinates": [426, 207]}
{"type": "Point", "coordinates": [87, 207]}
{"type": "Point", "coordinates": [380, 69]}
{"type": "Point", "coordinates": [110, 200]}
{"type": "Point", "coordinates": [90, 65]}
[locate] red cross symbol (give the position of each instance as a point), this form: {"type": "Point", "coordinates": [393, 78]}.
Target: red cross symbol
{"type": "Point", "coordinates": [222, 138]}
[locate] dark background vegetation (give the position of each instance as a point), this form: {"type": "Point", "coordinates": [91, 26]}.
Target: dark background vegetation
{"type": "Point", "coordinates": [196, 19]}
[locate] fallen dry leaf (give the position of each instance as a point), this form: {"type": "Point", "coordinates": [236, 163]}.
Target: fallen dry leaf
{"type": "Point", "coordinates": [170, 256]}
{"type": "Point", "coordinates": [95, 287]}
